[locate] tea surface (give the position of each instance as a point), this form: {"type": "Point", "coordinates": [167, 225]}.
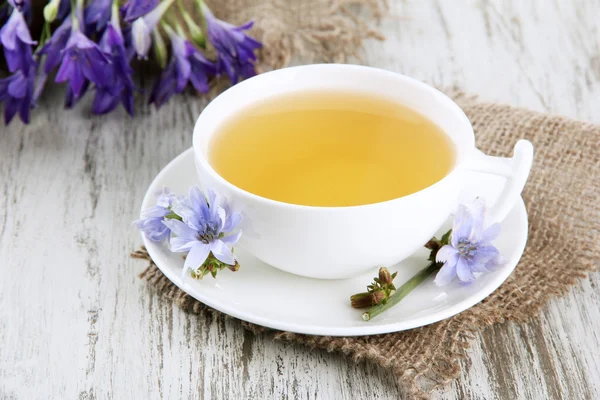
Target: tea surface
{"type": "Point", "coordinates": [331, 149]}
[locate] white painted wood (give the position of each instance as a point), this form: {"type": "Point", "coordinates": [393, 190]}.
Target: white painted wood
{"type": "Point", "coordinates": [75, 321]}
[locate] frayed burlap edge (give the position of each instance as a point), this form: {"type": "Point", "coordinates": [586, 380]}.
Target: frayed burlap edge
{"type": "Point", "coordinates": [417, 381]}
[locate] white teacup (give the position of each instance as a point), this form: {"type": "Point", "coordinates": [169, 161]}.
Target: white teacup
{"type": "Point", "coordinates": [341, 242]}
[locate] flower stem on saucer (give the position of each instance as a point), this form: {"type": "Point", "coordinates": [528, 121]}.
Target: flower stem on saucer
{"type": "Point", "coordinates": [402, 291]}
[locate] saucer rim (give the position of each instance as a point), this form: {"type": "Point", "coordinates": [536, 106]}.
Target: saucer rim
{"type": "Point", "coordinates": [499, 277]}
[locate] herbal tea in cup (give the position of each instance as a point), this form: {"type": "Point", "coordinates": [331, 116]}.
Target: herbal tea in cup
{"type": "Point", "coordinates": [331, 149]}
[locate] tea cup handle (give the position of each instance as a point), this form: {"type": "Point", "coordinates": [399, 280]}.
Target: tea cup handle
{"type": "Point", "coordinates": [515, 170]}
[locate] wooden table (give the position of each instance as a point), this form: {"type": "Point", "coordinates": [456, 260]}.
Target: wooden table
{"type": "Point", "coordinates": [76, 322]}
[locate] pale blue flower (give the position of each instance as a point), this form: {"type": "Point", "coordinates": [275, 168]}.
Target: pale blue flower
{"type": "Point", "coordinates": [151, 223]}
{"type": "Point", "coordinates": [207, 226]}
{"type": "Point", "coordinates": [469, 251]}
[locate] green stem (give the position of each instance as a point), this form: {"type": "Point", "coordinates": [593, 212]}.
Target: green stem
{"type": "Point", "coordinates": [402, 291]}
{"type": "Point", "coordinates": [46, 34]}
{"type": "Point", "coordinates": [172, 215]}
{"type": "Point", "coordinates": [75, 14]}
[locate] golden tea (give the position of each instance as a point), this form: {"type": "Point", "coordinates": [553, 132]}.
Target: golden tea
{"type": "Point", "coordinates": [331, 149]}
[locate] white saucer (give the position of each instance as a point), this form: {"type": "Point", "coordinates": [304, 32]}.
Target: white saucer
{"type": "Point", "coordinates": [266, 296]}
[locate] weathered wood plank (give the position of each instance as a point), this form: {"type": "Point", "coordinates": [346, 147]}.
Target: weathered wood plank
{"type": "Point", "coordinates": [76, 321]}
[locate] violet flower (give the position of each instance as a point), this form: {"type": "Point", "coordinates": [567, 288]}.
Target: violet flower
{"type": "Point", "coordinates": [187, 65]}
{"type": "Point", "coordinates": [134, 9]}
{"type": "Point", "coordinates": [235, 49]}
{"type": "Point", "coordinates": [141, 28]}
{"type": "Point", "coordinates": [119, 82]}
{"type": "Point", "coordinates": [16, 92]}
{"type": "Point", "coordinates": [24, 6]}
{"type": "Point", "coordinates": [53, 49]}
{"type": "Point", "coordinates": [71, 98]}
{"type": "Point", "coordinates": [64, 9]}
{"type": "Point", "coordinates": [98, 13]}
{"type": "Point", "coordinates": [17, 42]}
{"type": "Point", "coordinates": [201, 68]}
{"type": "Point", "coordinates": [151, 223]}
{"type": "Point", "coordinates": [469, 251]}
{"type": "Point", "coordinates": [207, 227]}
{"type": "Point", "coordinates": [165, 86]}
{"type": "Point", "coordinates": [82, 60]}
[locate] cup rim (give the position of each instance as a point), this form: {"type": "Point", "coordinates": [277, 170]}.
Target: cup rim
{"type": "Point", "coordinates": [200, 158]}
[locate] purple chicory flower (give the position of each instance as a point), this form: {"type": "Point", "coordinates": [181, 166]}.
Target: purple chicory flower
{"type": "Point", "coordinates": [82, 60]}
{"type": "Point", "coordinates": [235, 49]}
{"type": "Point", "coordinates": [17, 42]}
{"type": "Point", "coordinates": [119, 82]}
{"type": "Point", "coordinates": [207, 226]}
{"type": "Point", "coordinates": [141, 28]}
{"type": "Point", "coordinates": [134, 9]}
{"type": "Point", "coordinates": [187, 65]}
{"type": "Point", "coordinates": [16, 92]}
{"type": "Point", "coordinates": [151, 223]}
{"type": "Point", "coordinates": [98, 13]}
{"type": "Point", "coordinates": [469, 251]}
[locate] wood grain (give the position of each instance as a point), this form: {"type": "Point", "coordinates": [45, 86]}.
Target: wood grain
{"type": "Point", "coordinates": [75, 321]}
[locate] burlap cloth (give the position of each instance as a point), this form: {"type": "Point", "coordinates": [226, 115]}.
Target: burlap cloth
{"type": "Point", "coordinates": [562, 198]}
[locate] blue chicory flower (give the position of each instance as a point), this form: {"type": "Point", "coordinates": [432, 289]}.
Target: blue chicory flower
{"type": "Point", "coordinates": [82, 61]}
{"type": "Point", "coordinates": [142, 27]}
{"type": "Point", "coordinates": [151, 223]}
{"type": "Point", "coordinates": [135, 9]}
{"type": "Point", "coordinates": [235, 49]}
{"type": "Point", "coordinates": [207, 226]}
{"type": "Point", "coordinates": [187, 64]}
{"type": "Point", "coordinates": [16, 92]}
{"type": "Point", "coordinates": [98, 13]}
{"type": "Point", "coordinates": [17, 42]}
{"type": "Point", "coordinates": [470, 250]}
{"type": "Point", "coordinates": [119, 82]}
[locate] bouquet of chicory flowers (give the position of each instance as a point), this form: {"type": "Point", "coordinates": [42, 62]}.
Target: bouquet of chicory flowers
{"type": "Point", "coordinates": [91, 45]}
